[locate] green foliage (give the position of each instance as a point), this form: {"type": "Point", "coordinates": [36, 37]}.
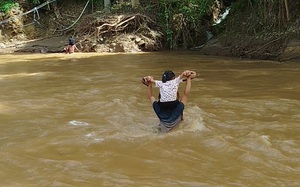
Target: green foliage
{"type": "Point", "coordinates": [6, 5]}
{"type": "Point", "coordinates": [194, 9]}
{"type": "Point", "coordinates": [191, 14]}
{"type": "Point", "coordinates": [164, 19]}
{"type": "Point", "coordinates": [35, 1]}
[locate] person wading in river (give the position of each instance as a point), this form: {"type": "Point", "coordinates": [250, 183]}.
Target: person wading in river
{"type": "Point", "coordinates": [168, 108]}
{"type": "Point", "coordinates": [71, 47]}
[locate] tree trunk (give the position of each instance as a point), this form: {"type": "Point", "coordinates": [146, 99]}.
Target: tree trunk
{"type": "Point", "coordinates": [287, 10]}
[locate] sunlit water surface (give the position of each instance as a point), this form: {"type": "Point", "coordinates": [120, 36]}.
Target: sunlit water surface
{"type": "Point", "coordinates": [85, 120]}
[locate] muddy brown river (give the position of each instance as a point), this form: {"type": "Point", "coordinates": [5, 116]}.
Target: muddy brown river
{"type": "Point", "coordinates": [85, 120]}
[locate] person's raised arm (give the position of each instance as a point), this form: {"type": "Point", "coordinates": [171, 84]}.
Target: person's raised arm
{"type": "Point", "coordinates": [186, 90]}
{"type": "Point", "coordinates": [151, 79]}
{"type": "Point", "coordinates": [185, 73]}
{"type": "Point", "coordinates": [188, 73]}
{"type": "Point", "coordinates": [149, 92]}
{"type": "Point", "coordinates": [182, 74]}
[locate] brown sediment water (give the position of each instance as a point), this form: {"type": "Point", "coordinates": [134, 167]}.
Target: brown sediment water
{"type": "Point", "coordinates": [85, 120]}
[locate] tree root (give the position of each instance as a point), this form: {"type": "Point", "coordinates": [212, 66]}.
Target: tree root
{"type": "Point", "coordinates": [137, 30]}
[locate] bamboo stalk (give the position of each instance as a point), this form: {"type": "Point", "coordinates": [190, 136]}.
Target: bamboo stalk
{"type": "Point", "coordinates": [287, 10]}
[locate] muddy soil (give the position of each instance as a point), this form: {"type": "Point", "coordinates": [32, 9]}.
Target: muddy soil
{"type": "Point", "coordinates": [45, 45]}
{"type": "Point", "coordinates": [94, 31]}
{"type": "Point", "coordinates": [101, 32]}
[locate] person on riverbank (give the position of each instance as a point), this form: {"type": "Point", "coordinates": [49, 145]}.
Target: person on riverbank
{"type": "Point", "coordinates": [168, 107]}
{"type": "Point", "coordinates": [71, 47]}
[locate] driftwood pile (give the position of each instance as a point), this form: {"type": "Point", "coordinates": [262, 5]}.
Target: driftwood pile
{"type": "Point", "coordinates": [118, 33]}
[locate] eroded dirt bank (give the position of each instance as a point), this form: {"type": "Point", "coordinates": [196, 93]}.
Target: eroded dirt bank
{"type": "Point", "coordinates": [98, 31]}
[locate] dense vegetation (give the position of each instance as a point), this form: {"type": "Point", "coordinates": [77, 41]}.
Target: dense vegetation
{"type": "Point", "coordinates": [253, 28]}
{"type": "Point", "coordinates": [6, 5]}
{"type": "Point", "coordinates": [260, 28]}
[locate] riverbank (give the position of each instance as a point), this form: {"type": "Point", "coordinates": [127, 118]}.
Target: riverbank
{"type": "Point", "coordinates": [53, 44]}
{"type": "Point", "coordinates": [56, 44]}
{"type": "Point", "coordinates": [138, 31]}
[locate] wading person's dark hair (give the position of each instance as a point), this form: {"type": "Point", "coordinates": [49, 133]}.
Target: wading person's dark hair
{"type": "Point", "coordinates": [167, 75]}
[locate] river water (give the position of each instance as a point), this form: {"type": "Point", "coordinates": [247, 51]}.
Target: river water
{"type": "Point", "coordinates": [85, 120]}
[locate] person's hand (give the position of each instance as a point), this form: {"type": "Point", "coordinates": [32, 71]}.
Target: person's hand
{"type": "Point", "coordinates": [184, 73]}
{"type": "Point", "coordinates": [150, 79]}
{"type": "Point", "coordinates": [187, 73]}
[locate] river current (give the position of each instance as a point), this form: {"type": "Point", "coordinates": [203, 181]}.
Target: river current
{"type": "Point", "coordinates": [85, 120]}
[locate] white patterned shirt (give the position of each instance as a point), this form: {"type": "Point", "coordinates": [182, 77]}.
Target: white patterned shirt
{"type": "Point", "coordinates": [168, 90]}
